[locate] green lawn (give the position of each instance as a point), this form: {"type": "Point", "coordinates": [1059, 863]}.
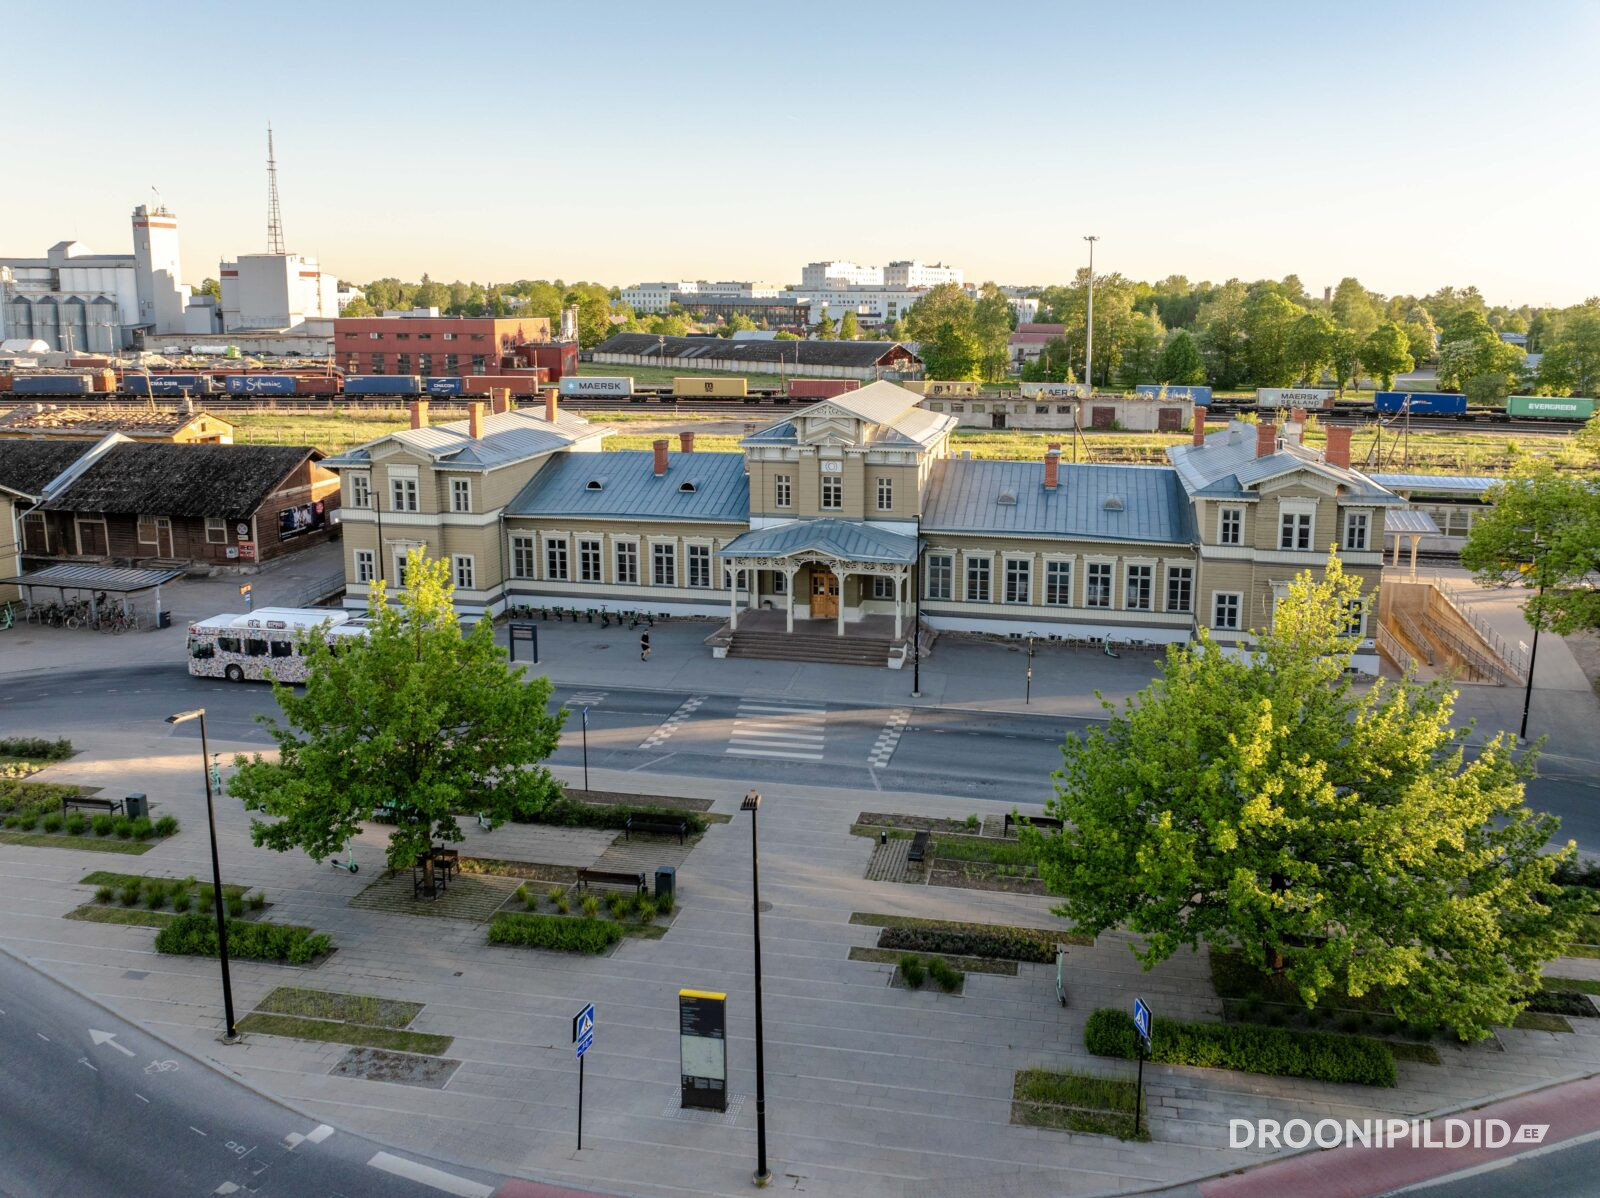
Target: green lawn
{"type": "Point", "coordinates": [130, 916]}
{"type": "Point", "coordinates": [88, 843]}
{"type": "Point", "coordinates": [344, 1033]}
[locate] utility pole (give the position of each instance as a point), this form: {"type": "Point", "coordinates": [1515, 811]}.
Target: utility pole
{"type": "Point", "coordinates": [1088, 348]}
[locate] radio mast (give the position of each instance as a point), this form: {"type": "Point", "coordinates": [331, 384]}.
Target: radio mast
{"type": "Point", "coordinates": [274, 213]}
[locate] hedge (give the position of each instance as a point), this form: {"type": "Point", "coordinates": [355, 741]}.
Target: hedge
{"type": "Point", "coordinates": [1320, 1056]}
{"type": "Point", "coordinates": [560, 933]}
{"type": "Point", "coordinates": [195, 935]}
{"type": "Point", "coordinates": [35, 747]}
{"type": "Point", "coordinates": [1006, 944]}
{"type": "Point", "coordinates": [569, 813]}
{"type": "Point", "coordinates": [1562, 1002]}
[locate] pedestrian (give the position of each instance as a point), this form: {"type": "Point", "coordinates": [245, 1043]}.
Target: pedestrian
{"type": "Point", "coordinates": [644, 647]}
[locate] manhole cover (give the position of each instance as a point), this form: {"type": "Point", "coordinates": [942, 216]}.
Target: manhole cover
{"type": "Point", "coordinates": [135, 974]}
{"type": "Point", "coordinates": [403, 1068]}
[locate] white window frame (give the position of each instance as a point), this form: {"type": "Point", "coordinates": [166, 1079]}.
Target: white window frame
{"type": "Point", "coordinates": [835, 484]}
{"type": "Point", "coordinates": [219, 526]}
{"type": "Point", "coordinates": [969, 563]}
{"type": "Point", "coordinates": [460, 494]}
{"type": "Point", "coordinates": [591, 549]}
{"type": "Point", "coordinates": [883, 587]}
{"type": "Point", "coordinates": [524, 556]}
{"type": "Point", "coordinates": [556, 554]}
{"type": "Point", "coordinates": [1174, 573]}
{"type": "Point", "coordinates": [403, 495]}
{"type": "Point", "coordinates": [1357, 519]}
{"type": "Point", "coordinates": [782, 490]}
{"type": "Point", "coordinates": [366, 563]}
{"type": "Point", "coordinates": [1060, 584]}
{"type": "Point", "coordinates": [1238, 610]}
{"type": "Point", "coordinates": [670, 550]}
{"type": "Point", "coordinates": [886, 493]}
{"type": "Point", "coordinates": [948, 571]}
{"type": "Point", "coordinates": [1303, 514]}
{"type": "Point", "coordinates": [697, 565]}
{"type": "Point", "coordinates": [464, 571]}
{"type": "Point", "coordinates": [1223, 520]}
{"type": "Point", "coordinates": [1015, 569]}
{"type": "Point", "coordinates": [1149, 577]}
{"type": "Point", "coordinates": [630, 576]}
{"type": "Point", "coordinates": [361, 490]}
{"type": "Point", "coordinates": [1092, 566]}
{"type": "Point", "coordinates": [780, 583]}
{"type": "Point", "coordinates": [140, 523]}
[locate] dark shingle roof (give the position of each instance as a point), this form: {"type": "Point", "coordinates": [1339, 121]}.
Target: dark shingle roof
{"type": "Point", "coordinates": [682, 351]}
{"type": "Point", "coordinates": [27, 466]}
{"type": "Point", "coordinates": [157, 478]}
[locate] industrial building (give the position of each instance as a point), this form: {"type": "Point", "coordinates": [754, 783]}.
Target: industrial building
{"type": "Point", "coordinates": [425, 343]}
{"type": "Point", "coordinates": [47, 421]}
{"type": "Point", "coordinates": [275, 292]}
{"type": "Point", "coordinates": [1047, 413]}
{"type": "Point", "coordinates": [812, 359]}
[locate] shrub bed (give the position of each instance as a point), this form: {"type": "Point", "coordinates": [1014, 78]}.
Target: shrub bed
{"type": "Point", "coordinates": [1010, 944]}
{"type": "Point", "coordinates": [988, 850]}
{"type": "Point", "coordinates": [1562, 1002]}
{"type": "Point", "coordinates": [196, 936]}
{"type": "Point", "coordinates": [36, 799]}
{"type": "Point", "coordinates": [559, 933]}
{"type": "Point", "coordinates": [569, 813]}
{"type": "Point", "coordinates": [1319, 1056]}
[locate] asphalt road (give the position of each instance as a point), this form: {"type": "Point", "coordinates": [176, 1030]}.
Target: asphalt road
{"type": "Point", "coordinates": [1002, 757]}
{"type": "Point", "coordinates": [91, 1105]}
{"type": "Point", "coordinates": [1570, 1170]}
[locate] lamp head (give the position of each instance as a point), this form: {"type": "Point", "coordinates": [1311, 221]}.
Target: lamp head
{"type": "Point", "coordinates": [752, 802]}
{"type": "Point", "coordinates": [184, 717]}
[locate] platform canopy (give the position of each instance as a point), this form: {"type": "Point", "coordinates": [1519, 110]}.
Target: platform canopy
{"type": "Point", "coordinates": [111, 579]}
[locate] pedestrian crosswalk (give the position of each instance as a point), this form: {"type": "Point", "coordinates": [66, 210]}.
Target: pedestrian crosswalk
{"type": "Point", "coordinates": [786, 728]}
{"type": "Point", "coordinates": [889, 738]}
{"type": "Point", "coordinates": [670, 725]}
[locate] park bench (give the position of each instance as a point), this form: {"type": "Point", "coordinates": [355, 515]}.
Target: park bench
{"type": "Point", "coordinates": [85, 803]}
{"type": "Point", "coordinates": [1037, 821]}
{"type": "Point", "coordinates": [919, 847]}
{"type": "Point", "coordinates": [666, 825]}
{"type": "Point", "coordinates": [612, 877]}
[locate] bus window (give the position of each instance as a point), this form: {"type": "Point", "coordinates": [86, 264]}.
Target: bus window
{"type": "Point", "coordinates": [282, 649]}
{"type": "Point", "coordinates": [254, 648]}
{"type": "Point", "coordinates": [228, 644]}
{"type": "Point", "coordinates": [198, 648]}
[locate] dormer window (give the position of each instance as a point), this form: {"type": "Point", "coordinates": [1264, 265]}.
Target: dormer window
{"type": "Point", "coordinates": [1007, 499]}
{"type": "Point", "coordinates": [594, 484]}
{"type": "Point", "coordinates": [686, 488]}
{"type": "Point", "coordinates": [1113, 503]}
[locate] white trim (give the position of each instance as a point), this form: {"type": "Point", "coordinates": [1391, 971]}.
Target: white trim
{"type": "Point", "coordinates": [1044, 625]}
{"type": "Point", "coordinates": [1230, 507]}
{"type": "Point", "coordinates": [1211, 622]}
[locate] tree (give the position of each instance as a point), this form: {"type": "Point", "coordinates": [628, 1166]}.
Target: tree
{"type": "Point", "coordinates": [1223, 337]}
{"type": "Point", "coordinates": [1141, 358]}
{"type": "Point", "coordinates": [210, 287]}
{"type": "Point", "coordinates": [950, 354]}
{"type": "Point", "coordinates": [1387, 352]}
{"type": "Point", "coordinates": [1340, 837]}
{"type": "Point", "coordinates": [1542, 533]}
{"type": "Point", "coordinates": [946, 302]}
{"type": "Point", "coordinates": [1354, 308]}
{"type": "Point", "coordinates": [992, 323]}
{"type": "Point", "coordinates": [1269, 330]}
{"type": "Point", "coordinates": [594, 316]}
{"type": "Point", "coordinates": [899, 330]}
{"type": "Point", "coordinates": [827, 329]}
{"type": "Point", "coordinates": [358, 306]}
{"type": "Point", "coordinates": [1312, 345]}
{"type": "Point", "coordinates": [1571, 364]}
{"type": "Point", "coordinates": [850, 327]}
{"type": "Point", "coordinates": [736, 324]}
{"type": "Point", "coordinates": [417, 717]}
{"type": "Point", "coordinates": [1181, 362]}
{"type": "Point", "coordinates": [1346, 359]}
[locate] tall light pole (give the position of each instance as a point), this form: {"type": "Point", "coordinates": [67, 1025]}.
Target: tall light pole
{"type": "Point", "coordinates": [1088, 349]}
{"type": "Point", "coordinates": [763, 1175]}
{"type": "Point", "coordinates": [1533, 656]}
{"type": "Point", "coordinates": [231, 1035]}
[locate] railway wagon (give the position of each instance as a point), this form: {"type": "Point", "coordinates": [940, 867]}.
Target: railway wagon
{"type": "Point", "coordinates": [51, 384]}
{"type": "Point", "coordinates": [606, 386]}
{"type": "Point", "coordinates": [318, 384]}
{"type": "Point", "coordinates": [944, 389]}
{"type": "Point", "coordinates": [382, 384]}
{"type": "Point", "coordinates": [442, 384]}
{"type": "Point", "coordinates": [1312, 399]}
{"type": "Point", "coordinates": [169, 385]}
{"type": "Point", "coordinates": [696, 388]}
{"type": "Point", "coordinates": [1199, 396]}
{"type": "Point", "coordinates": [821, 388]}
{"type": "Point", "coordinates": [1054, 391]}
{"type": "Point", "coordinates": [1549, 407]}
{"type": "Point", "coordinates": [1424, 403]}
{"type": "Point", "coordinates": [260, 384]}
{"type": "Point", "coordinates": [517, 384]}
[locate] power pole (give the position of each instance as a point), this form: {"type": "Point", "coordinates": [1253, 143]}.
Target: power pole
{"type": "Point", "coordinates": [1088, 349]}
{"type": "Point", "coordinates": [274, 213]}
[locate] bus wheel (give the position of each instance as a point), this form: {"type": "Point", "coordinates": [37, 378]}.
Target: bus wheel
{"type": "Point", "coordinates": [233, 674]}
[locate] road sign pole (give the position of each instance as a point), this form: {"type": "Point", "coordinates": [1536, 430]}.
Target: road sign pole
{"type": "Point", "coordinates": [1138, 1095]}
{"type": "Point", "coordinates": [580, 1108]}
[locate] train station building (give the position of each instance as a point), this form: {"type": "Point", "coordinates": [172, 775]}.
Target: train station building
{"type": "Point", "coordinates": [833, 530]}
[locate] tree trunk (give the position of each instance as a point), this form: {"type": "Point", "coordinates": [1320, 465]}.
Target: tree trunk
{"type": "Point", "coordinates": [427, 875]}
{"type": "Point", "coordinates": [1275, 958]}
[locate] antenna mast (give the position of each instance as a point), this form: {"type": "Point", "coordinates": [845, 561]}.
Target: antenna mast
{"type": "Point", "coordinates": [274, 214]}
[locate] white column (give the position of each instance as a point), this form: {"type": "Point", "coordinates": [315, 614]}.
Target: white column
{"type": "Point", "coordinates": [1414, 539]}
{"type": "Point", "coordinates": [788, 590]}
{"type": "Point", "coordinates": [733, 599]}
{"type": "Point", "coordinates": [843, 578]}
{"type": "Point", "coordinates": [899, 600]}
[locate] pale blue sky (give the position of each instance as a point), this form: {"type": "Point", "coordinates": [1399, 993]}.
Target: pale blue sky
{"type": "Point", "coordinates": [1411, 145]}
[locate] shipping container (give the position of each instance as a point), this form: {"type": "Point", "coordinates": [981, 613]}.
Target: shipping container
{"type": "Point", "coordinates": [690, 388]}
{"type": "Point", "coordinates": [1312, 399]}
{"type": "Point", "coordinates": [382, 384]}
{"type": "Point", "coordinates": [50, 384]}
{"type": "Point", "coordinates": [1427, 403]}
{"type": "Point", "coordinates": [261, 384]}
{"type": "Point", "coordinates": [1054, 391]}
{"type": "Point", "coordinates": [167, 384]}
{"type": "Point", "coordinates": [1199, 396]}
{"type": "Point", "coordinates": [1549, 407]}
{"type": "Point", "coordinates": [318, 384]}
{"type": "Point", "coordinates": [821, 388]}
{"type": "Point", "coordinates": [443, 384]}
{"type": "Point", "coordinates": [609, 386]}
{"type": "Point", "coordinates": [517, 384]}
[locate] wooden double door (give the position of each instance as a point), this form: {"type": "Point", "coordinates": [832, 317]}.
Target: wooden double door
{"type": "Point", "coordinates": [824, 594]}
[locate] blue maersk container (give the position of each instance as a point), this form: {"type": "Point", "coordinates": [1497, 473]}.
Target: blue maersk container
{"type": "Point", "coordinates": [261, 384]}
{"type": "Point", "coordinates": [1422, 403]}
{"type": "Point", "coordinates": [50, 384]}
{"type": "Point", "coordinates": [382, 384]}
{"type": "Point", "coordinates": [1199, 396]}
{"type": "Point", "coordinates": [440, 384]}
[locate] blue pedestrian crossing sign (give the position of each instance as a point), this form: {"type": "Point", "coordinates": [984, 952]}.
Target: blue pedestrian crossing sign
{"type": "Point", "coordinates": [1141, 1019]}
{"type": "Point", "coordinates": [583, 1029]}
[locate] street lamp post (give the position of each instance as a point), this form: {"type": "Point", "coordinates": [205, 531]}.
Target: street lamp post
{"type": "Point", "coordinates": [231, 1035]}
{"type": "Point", "coordinates": [585, 748]}
{"type": "Point", "coordinates": [916, 619]}
{"type": "Point", "coordinates": [763, 1175]}
{"type": "Point", "coordinates": [1088, 348]}
{"type": "Point", "coordinates": [1533, 656]}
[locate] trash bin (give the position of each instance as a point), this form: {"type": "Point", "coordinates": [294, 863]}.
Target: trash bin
{"type": "Point", "coordinates": [666, 882]}
{"type": "Point", "coordinates": [135, 806]}
{"type": "Point", "coordinates": [163, 619]}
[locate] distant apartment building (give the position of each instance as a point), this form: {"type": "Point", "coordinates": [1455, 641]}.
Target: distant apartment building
{"type": "Point", "coordinates": [921, 274]}
{"type": "Point", "coordinates": [653, 298]}
{"type": "Point", "coordinates": [895, 276]}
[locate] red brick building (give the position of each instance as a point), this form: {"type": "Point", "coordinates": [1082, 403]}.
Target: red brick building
{"type": "Point", "coordinates": [440, 346]}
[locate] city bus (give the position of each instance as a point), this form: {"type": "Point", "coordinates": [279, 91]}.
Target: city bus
{"type": "Point", "coordinates": [237, 647]}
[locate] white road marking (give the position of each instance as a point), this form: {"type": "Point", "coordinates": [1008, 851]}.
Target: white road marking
{"type": "Point", "coordinates": [141, 1097]}
{"type": "Point", "coordinates": [449, 1183]}
{"type": "Point", "coordinates": [794, 731]}
{"type": "Point", "coordinates": [99, 1038]}
{"type": "Point", "coordinates": [196, 1130]}
{"type": "Point", "coordinates": [293, 1140]}
{"type": "Point", "coordinates": [889, 738]}
{"type": "Point", "coordinates": [319, 1133]}
{"type": "Point", "coordinates": [732, 752]}
{"type": "Point", "coordinates": [670, 725]}
{"type": "Point", "coordinates": [85, 1061]}
{"type": "Point", "coordinates": [226, 1187]}
{"type": "Point", "coordinates": [44, 1037]}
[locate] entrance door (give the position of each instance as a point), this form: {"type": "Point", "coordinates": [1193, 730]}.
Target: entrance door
{"type": "Point", "coordinates": [824, 594]}
{"type": "Point", "coordinates": [92, 538]}
{"type": "Point", "coordinates": [1102, 417]}
{"type": "Point", "coordinates": [997, 420]}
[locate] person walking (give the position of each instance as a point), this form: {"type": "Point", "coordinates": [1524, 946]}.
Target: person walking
{"type": "Point", "coordinates": [644, 647]}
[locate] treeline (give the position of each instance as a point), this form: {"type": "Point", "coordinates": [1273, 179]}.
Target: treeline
{"type": "Point", "coordinates": [525, 297]}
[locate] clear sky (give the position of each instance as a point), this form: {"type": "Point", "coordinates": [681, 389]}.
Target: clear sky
{"type": "Point", "coordinates": [1408, 144]}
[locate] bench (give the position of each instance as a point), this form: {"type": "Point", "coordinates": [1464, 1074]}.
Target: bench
{"type": "Point", "coordinates": [612, 877]}
{"type": "Point", "coordinates": [666, 825]}
{"type": "Point", "coordinates": [919, 847]}
{"type": "Point", "coordinates": [85, 803]}
{"type": "Point", "coordinates": [1037, 821]}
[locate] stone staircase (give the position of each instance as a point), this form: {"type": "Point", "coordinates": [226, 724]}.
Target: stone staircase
{"type": "Point", "coordinates": [854, 648]}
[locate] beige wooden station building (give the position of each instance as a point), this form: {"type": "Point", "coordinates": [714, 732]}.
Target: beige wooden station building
{"type": "Point", "coordinates": [830, 522]}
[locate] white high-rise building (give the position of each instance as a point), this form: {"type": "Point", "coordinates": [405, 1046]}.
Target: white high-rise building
{"type": "Point", "coordinates": [158, 269]}
{"type": "Point", "coordinates": [817, 275]}
{"type": "Point", "coordinates": [920, 274]}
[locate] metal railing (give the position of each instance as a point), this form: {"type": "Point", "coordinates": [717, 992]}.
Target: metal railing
{"type": "Point", "coordinates": [1450, 592]}
{"type": "Point", "coordinates": [322, 588]}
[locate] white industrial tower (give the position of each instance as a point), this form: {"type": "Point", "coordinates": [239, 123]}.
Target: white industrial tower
{"type": "Point", "coordinates": [158, 274]}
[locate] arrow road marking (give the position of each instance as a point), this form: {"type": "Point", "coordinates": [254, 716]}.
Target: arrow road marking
{"type": "Point", "coordinates": [110, 1038]}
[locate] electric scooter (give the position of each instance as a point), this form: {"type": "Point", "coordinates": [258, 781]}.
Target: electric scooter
{"type": "Point", "coordinates": [352, 865]}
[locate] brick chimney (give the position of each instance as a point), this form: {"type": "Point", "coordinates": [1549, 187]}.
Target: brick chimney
{"type": "Point", "coordinates": [550, 406]}
{"type": "Point", "coordinates": [686, 441]}
{"type": "Point", "coordinates": [1298, 415]}
{"type": "Point", "coordinates": [419, 413]}
{"type": "Point", "coordinates": [661, 452]}
{"type": "Point", "coordinates": [1052, 467]}
{"type": "Point", "coordinates": [499, 400]}
{"type": "Point", "coordinates": [475, 420]}
{"type": "Point", "coordinates": [1266, 438]}
{"type": "Point", "coordinates": [1338, 451]}
{"type": "Point", "coordinates": [1199, 429]}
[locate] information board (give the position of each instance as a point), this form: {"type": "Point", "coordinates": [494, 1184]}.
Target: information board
{"type": "Point", "coordinates": [702, 1049]}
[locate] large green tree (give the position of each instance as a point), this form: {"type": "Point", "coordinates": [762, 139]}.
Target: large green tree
{"type": "Point", "coordinates": [1387, 352]}
{"type": "Point", "coordinates": [850, 326]}
{"type": "Point", "coordinates": [1181, 362]}
{"type": "Point", "coordinates": [1313, 344]}
{"type": "Point", "coordinates": [1224, 335]}
{"type": "Point", "coordinates": [951, 353]}
{"type": "Point", "coordinates": [1270, 321]}
{"type": "Point", "coordinates": [992, 324]}
{"type": "Point", "coordinates": [1336, 833]}
{"type": "Point", "coordinates": [1571, 344]}
{"type": "Point", "coordinates": [1354, 308]}
{"type": "Point", "coordinates": [1542, 532]}
{"type": "Point", "coordinates": [416, 717]}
